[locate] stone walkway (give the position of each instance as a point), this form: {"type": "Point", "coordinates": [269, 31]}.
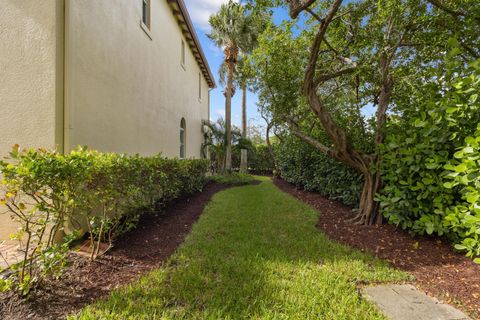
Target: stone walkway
{"type": "Point", "coordinates": [405, 302]}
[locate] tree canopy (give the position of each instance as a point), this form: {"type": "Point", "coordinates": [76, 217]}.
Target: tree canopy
{"type": "Point", "coordinates": [320, 77]}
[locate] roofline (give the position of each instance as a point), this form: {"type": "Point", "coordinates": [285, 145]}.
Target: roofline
{"type": "Point", "coordinates": [181, 13]}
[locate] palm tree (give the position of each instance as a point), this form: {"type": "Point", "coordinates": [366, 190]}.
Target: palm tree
{"type": "Point", "coordinates": [241, 79]}
{"type": "Point", "coordinates": [244, 77]}
{"type": "Point", "coordinates": [234, 30]}
{"type": "Point", "coordinates": [215, 143]}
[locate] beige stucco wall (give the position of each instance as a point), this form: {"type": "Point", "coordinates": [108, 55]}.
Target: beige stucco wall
{"type": "Point", "coordinates": [121, 90]}
{"type": "Point", "coordinates": [125, 91]}
{"type": "Point", "coordinates": [31, 78]}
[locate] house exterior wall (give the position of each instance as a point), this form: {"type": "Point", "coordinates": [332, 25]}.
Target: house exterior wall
{"type": "Point", "coordinates": [84, 72]}
{"type": "Point", "coordinates": [31, 78]}
{"type": "Point", "coordinates": [127, 90]}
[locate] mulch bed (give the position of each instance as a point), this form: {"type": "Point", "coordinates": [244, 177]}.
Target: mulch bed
{"type": "Point", "coordinates": [438, 270]}
{"type": "Point", "coordinates": [138, 252]}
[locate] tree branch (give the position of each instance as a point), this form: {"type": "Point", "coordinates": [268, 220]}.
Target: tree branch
{"type": "Point", "coordinates": [343, 151]}
{"type": "Point", "coordinates": [295, 129]}
{"type": "Point", "coordinates": [310, 74]}
{"type": "Point", "coordinates": [325, 77]}
{"type": "Point", "coordinates": [340, 57]}
{"type": "Point", "coordinates": [441, 6]}
{"type": "Point", "coordinates": [297, 6]}
{"type": "Point", "coordinates": [316, 16]}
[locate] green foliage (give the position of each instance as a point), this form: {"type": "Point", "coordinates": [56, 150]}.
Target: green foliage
{"type": "Point", "coordinates": [215, 144]}
{"type": "Point", "coordinates": [233, 179]}
{"type": "Point", "coordinates": [394, 47]}
{"type": "Point", "coordinates": [49, 193]}
{"type": "Point", "coordinates": [307, 167]}
{"type": "Point", "coordinates": [234, 25]}
{"type": "Point", "coordinates": [260, 160]}
{"type": "Point", "coordinates": [255, 253]}
{"type": "Point", "coordinates": [431, 160]}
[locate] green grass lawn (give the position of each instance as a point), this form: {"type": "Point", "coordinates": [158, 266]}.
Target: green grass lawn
{"type": "Point", "coordinates": [254, 254]}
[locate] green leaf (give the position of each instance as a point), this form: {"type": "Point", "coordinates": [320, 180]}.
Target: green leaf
{"type": "Point", "coordinates": [471, 140]}
{"type": "Point", "coordinates": [450, 167]}
{"type": "Point", "coordinates": [462, 167]}
{"type": "Point", "coordinates": [468, 150]}
{"type": "Point", "coordinates": [449, 185]}
{"type": "Point", "coordinates": [427, 180]}
{"type": "Point", "coordinates": [473, 98]}
{"type": "Point", "coordinates": [472, 197]}
{"type": "Point", "coordinates": [451, 109]}
{"type": "Point", "coordinates": [458, 154]}
{"type": "Point", "coordinates": [429, 228]}
{"type": "Point", "coordinates": [431, 166]}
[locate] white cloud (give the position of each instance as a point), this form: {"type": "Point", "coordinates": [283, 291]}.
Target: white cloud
{"type": "Point", "coordinates": [201, 10]}
{"type": "Point", "coordinates": [220, 113]}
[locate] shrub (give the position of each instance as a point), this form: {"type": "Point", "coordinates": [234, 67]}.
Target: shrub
{"type": "Point", "coordinates": [464, 217]}
{"type": "Point", "coordinates": [304, 166]}
{"type": "Point", "coordinates": [104, 193]}
{"type": "Point", "coordinates": [431, 161]}
{"type": "Point", "coordinates": [259, 160]}
{"type": "Point", "coordinates": [234, 179]}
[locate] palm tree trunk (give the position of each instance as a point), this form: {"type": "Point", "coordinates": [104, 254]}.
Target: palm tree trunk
{"type": "Point", "coordinates": [244, 111]}
{"type": "Point", "coordinates": [244, 152]}
{"type": "Point", "coordinates": [228, 118]}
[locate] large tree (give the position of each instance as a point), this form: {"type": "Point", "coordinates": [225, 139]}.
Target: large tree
{"type": "Point", "coordinates": [233, 29]}
{"type": "Point", "coordinates": [353, 56]}
{"type": "Point", "coordinates": [241, 79]}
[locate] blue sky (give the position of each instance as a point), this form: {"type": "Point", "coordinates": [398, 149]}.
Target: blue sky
{"type": "Point", "coordinates": [200, 11]}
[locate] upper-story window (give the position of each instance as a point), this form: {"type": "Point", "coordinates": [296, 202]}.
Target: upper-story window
{"type": "Point", "coordinates": [199, 86]}
{"type": "Point", "coordinates": [183, 136]}
{"type": "Point", "coordinates": [146, 13]}
{"type": "Point", "coordinates": [182, 58]}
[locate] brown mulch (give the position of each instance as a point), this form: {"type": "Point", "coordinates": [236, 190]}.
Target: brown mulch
{"type": "Point", "coordinates": [438, 270]}
{"type": "Point", "coordinates": [139, 251]}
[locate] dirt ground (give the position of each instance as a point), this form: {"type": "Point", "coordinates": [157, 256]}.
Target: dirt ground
{"type": "Point", "coordinates": [138, 252]}
{"type": "Point", "coordinates": [438, 270]}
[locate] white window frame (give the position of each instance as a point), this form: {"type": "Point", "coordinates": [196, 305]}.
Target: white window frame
{"type": "Point", "coordinates": [183, 53]}
{"type": "Point", "coordinates": [183, 139]}
{"type": "Point", "coordinates": [200, 87]}
{"type": "Point", "coordinates": [146, 17]}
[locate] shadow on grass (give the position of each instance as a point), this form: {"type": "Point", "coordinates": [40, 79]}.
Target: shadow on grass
{"type": "Point", "coordinates": [254, 254]}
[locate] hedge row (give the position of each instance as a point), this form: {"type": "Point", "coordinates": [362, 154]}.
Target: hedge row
{"type": "Point", "coordinates": [432, 161]}
{"type": "Point", "coordinates": [306, 167]}
{"type": "Point", "coordinates": [88, 191]}
{"type": "Point", "coordinates": [260, 160]}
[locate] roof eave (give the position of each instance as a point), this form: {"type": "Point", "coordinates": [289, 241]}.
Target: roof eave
{"type": "Point", "coordinates": [181, 14]}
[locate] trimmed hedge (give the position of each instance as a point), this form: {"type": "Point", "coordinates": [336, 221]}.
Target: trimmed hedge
{"type": "Point", "coordinates": [233, 179]}
{"type": "Point", "coordinates": [261, 161]}
{"type": "Point", "coordinates": [104, 193]}
{"type": "Point", "coordinates": [302, 165]}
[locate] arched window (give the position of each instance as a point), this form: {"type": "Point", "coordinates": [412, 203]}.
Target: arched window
{"type": "Point", "coordinates": [183, 135]}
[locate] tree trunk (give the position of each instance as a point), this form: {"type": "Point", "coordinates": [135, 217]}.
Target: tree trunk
{"type": "Point", "coordinates": [368, 211]}
{"type": "Point", "coordinates": [243, 161]}
{"type": "Point", "coordinates": [342, 150]}
{"type": "Point", "coordinates": [244, 152]}
{"type": "Point", "coordinates": [228, 117]}
{"type": "Point", "coordinates": [244, 111]}
{"type": "Point", "coordinates": [270, 149]}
